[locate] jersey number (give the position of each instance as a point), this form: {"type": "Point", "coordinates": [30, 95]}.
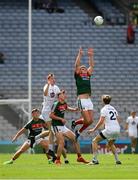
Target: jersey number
{"type": "Point", "coordinates": [113, 115]}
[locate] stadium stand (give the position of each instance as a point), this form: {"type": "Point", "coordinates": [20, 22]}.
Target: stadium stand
{"type": "Point", "coordinates": [55, 42]}
{"type": "Point", "coordinates": [110, 12]}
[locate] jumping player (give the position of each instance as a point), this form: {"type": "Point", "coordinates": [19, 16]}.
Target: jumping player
{"type": "Point", "coordinates": [82, 77]}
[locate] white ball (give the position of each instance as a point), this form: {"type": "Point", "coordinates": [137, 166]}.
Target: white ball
{"type": "Point", "coordinates": [98, 20]}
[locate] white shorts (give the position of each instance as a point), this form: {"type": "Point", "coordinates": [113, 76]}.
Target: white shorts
{"type": "Point", "coordinates": [45, 115]}
{"type": "Point", "coordinates": [38, 141]}
{"type": "Point", "coordinates": [110, 135]}
{"type": "Point", "coordinates": [56, 129]}
{"type": "Point", "coordinates": [133, 134]}
{"type": "Point", "coordinates": [85, 104]}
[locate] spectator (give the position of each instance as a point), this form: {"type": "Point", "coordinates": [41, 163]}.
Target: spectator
{"type": "Point", "coordinates": [51, 6]}
{"type": "Point", "coordinates": [131, 127]}
{"type": "Point", "coordinates": [2, 58]}
{"type": "Point", "coordinates": [130, 34]}
{"type": "Point", "coordinates": [40, 4]}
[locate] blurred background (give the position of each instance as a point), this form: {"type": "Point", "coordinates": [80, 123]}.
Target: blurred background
{"type": "Point", "coordinates": [59, 28]}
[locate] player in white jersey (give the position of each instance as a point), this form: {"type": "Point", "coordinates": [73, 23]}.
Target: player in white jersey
{"type": "Point", "coordinates": [50, 92]}
{"type": "Point", "coordinates": [109, 117]}
{"type": "Point", "coordinates": [132, 128]}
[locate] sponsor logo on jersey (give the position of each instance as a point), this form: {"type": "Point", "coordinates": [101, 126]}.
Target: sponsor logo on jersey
{"type": "Point", "coordinates": [85, 76]}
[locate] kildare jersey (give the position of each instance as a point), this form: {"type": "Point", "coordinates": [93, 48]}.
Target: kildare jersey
{"type": "Point", "coordinates": [35, 127]}
{"type": "Point", "coordinates": [132, 123]}
{"type": "Point", "coordinates": [59, 110]}
{"type": "Point", "coordinates": [51, 97]}
{"type": "Point", "coordinates": [110, 114]}
{"type": "Point", "coordinates": [83, 83]}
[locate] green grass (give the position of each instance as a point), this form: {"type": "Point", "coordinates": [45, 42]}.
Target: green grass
{"type": "Point", "coordinates": [30, 166]}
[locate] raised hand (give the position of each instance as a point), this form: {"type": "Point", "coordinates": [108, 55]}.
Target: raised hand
{"type": "Point", "coordinates": [81, 51]}
{"type": "Point", "coordinates": [90, 52]}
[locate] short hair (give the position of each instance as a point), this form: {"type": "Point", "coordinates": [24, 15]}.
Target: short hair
{"type": "Point", "coordinates": [61, 91]}
{"type": "Point", "coordinates": [35, 110]}
{"type": "Point", "coordinates": [50, 75]}
{"type": "Point", "coordinates": [106, 99]}
{"type": "Point", "coordinates": [83, 66]}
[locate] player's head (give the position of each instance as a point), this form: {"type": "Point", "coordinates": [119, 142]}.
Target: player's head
{"type": "Point", "coordinates": [51, 78]}
{"type": "Point", "coordinates": [35, 113]}
{"type": "Point", "coordinates": [133, 113]}
{"type": "Point", "coordinates": [83, 69]}
{"type": "Point", "coordinates": [106, 99]}
{"type": "Point", "coordinates": [62, 95]}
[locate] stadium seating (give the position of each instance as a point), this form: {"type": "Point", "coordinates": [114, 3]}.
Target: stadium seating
{"type": "Point", "coordinates": [109, 11]}
{"type": "Point", "coordinates": [56, 39]}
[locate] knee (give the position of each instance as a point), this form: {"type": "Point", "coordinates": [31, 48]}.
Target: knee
{"type": "Point", "coordinates": [94, 141]}
{"type": "Point", "coordinates": [89, 122]}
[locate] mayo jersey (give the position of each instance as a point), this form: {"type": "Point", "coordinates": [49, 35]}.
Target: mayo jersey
{"type": "Point", "coordinates": [110, 114]}
{"type": "Point", "coordinates": [83, 83]}
{"type": "Point", "coordinates": [132, 123]}
{"type": "Point", "coordinates": [51, 96]}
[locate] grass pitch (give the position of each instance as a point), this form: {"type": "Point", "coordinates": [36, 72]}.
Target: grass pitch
{"type": "Point", "coordinates": [35, 166]}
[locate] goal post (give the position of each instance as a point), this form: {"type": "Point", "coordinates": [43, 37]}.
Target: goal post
{"type": "Point", "coordinates": [27, 101]}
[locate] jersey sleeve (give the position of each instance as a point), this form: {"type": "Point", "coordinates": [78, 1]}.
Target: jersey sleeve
{"type": "Point", "coordinates": [54, 107]}
{"type": "Point", "coordinates": [103, 112]}
{"type": "Point", "coordinates": [127, 121]}
{"type": "Point", "coordinates": [26, 126]}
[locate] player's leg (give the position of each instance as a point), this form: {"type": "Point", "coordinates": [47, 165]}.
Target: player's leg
{"type": "Point", "coordinates": [77, 122]}
{"type": "Point", "coordinates": [70, 135]}
{"type": "Point", "coordinates": [87, 121]}
{"type": "Point", "coordinates": [133, 144]}
{"type": "Point", "coordinates": [86, 107]}
{"type": "Point", "coordinates": [42, 135]}
{"type": "Point", "coordinates": [44, 143]}
{"type": "Point", "coordinates": [60, 142]}
{"type": "Point", "coordinates": [45, 115]}
{"type": "Point", "coordinates": [23, 148]}
{"type": "Point", "coordinates": [114, 151]}
{"type": "Point", "coordinates": [64, 154]}
{"type": "Point", "coordinates": [95, 142]}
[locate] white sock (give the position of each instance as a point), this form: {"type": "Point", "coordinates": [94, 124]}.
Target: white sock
{"type": "Point", "coordinates": [133, 149]}
{"type": "Point", "coordinates": [37, 137]}
{"type": "Point", "coordinates": [95, 156]}
{"type": "Point", "coordinates": [51, 147]}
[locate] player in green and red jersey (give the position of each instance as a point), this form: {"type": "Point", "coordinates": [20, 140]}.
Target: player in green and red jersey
{"type": "Point", "coordinates": [35, 127]}
{"type": "Point", "coordinates": [82, 77]}
{"type": "Point", "coordinates": [60, 130]}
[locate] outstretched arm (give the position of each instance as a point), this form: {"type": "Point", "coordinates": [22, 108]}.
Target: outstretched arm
{"type": "Point", "coordinates": [100, 122]}
{"type": "Point", "coordinates": [46, 88]}
{"type": "Point", "coordinates": [91, 61]}
{"type": "Point", "coordinates": [78, 60]}
{"type": "Point", "coordinates": [19, 133]}
{"type": "Point", "coordinates": [72, 109]}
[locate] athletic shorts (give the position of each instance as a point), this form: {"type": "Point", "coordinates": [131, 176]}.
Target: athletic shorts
{"type": "Point", "coordinates": [38, 141]}
{"type": "Point", "coordinates": [133, 134]}
{"type": "Point", "coordinates": [85, 104]}
{"type": "Point", "coordinates": [56, 129]}
{"type": "Point", "coordinates": [110, 135]}
{"type": "Point", "coordinates": [45, 115]}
